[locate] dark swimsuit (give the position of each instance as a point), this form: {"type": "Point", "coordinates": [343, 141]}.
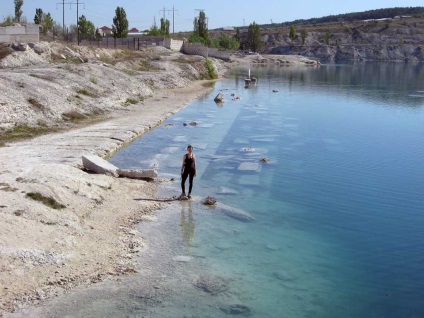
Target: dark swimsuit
{"type": "Point", "coordinates": [189, 170]}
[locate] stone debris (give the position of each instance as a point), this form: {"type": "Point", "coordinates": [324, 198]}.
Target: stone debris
{"type": "Point", "coordinates": [209, 201]}
{"type": "Point", "coordinates": [212, 284]}
{"type": "Point", "coordinates": [219, 98]}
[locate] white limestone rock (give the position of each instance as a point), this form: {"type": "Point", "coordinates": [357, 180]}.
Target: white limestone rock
{"type": "Point", "coordinates": [138, 174]}
{"type": "Point", "coordinates": [99, 165]}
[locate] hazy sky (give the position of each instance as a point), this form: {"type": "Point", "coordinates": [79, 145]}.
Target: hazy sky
{"type": "Point", "coordinates": [220, 13]}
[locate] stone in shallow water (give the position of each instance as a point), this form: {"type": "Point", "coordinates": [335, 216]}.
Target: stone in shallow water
{"type": "Point", "coordinates": [249, 166]}
{"type": "Point", "coordinates": [182, 259]}
{"type": "Point", "coordinates": [236, 309]}
{"type": "Point", "coordinates": [225, 190]}
{"type": "Point", "coordinates": [212, 284]}
{"type": "Point", "coordinates": [284, 276]}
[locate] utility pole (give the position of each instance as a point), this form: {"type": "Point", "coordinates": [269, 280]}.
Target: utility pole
{"type": "Point", "coordinates": [173, 16]}
{"type": "Point", "coordinates": [70, 5]}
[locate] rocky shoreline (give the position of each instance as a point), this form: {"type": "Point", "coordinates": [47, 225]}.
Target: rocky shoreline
{"type": "Point", "coordinates": [61, 227]}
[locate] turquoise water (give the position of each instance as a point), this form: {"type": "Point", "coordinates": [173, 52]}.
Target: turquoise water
{"type": "Point", "coordinates": [338, 229]}
{"type": "Point", "coordinates": [339, 207]}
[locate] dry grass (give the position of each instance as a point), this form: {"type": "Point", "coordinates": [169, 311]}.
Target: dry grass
{"type": "Point", "coordinates": [73, 116]}
{"type": "Point", "coordinates": [43, 77]}
{"type": "Point", "coordinates": [48, 201]}
{"type": "Point", "coordinates": [36, 103]}
{"type": "Point", "coordinates": [86, 92]}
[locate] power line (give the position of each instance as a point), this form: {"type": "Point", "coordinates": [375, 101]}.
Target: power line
{"type": "Point", "coordinates": [173, 16]}
{"type": "Point", "coordinates": [70, 5]}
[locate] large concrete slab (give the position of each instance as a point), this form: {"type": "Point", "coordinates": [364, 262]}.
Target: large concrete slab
{"type": "Point", "coordinates": [99, 165]}
{"type": "Point", "coordinates": [138, 174]}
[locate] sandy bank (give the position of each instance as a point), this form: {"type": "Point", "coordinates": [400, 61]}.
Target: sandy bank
{"type": "Point", "coordinates": [44, 251]}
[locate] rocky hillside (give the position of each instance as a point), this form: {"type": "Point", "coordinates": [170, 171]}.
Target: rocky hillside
{"type": "Point", "coordinates": [385, 40]}
{"type": "Point", "coordinates": [50, 86]}
{"type": "Point", "coordinates": [391, 40]}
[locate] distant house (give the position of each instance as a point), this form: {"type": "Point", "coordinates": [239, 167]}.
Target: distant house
{"type": "Point", "coordinates": [105, 31]}
{"type": "Point", "coordinates": [229, 28]}
{"type": "Point", "coordinates": [134, 30]}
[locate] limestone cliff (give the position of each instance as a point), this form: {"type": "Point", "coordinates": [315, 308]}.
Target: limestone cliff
{"type": "Point", "coordinates": [388, 40]}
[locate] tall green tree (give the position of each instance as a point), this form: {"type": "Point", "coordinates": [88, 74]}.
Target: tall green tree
{"type": "Point", "coordinates": [203, 26]}
{"type": "Point", "coordinates": [303, 35]}
{"type": "Point", "coordinates": [18, 11]}
{"type": "Point", "coordinates": [120, 23]}
{"type": "Point", "coordinates": [86, 28]}
{"type": "Point", "coordinates": [164, 26]}
{"type": "Point", "coordinates": [167, 26]}
{"type": "Point", "coordinates": [38, 18]}
{"type": "Point", "coordinates": [47, 23]}
{"type": "Point", "coordinates": [254, 41]}
{"type": "Point", "coordinates": [154, 30]}
{"type": "Point", "coordinates": [292, 33]}
{"type": "Point", "coordinates": [200, 29]}
{"type": "Point", "coordinates": [237, 35]}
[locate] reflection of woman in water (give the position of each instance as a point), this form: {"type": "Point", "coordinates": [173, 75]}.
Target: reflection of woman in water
{"type": "Point", "coordinates": [188, 169]}
{"type": "Point", "coordinates": [187, 226]}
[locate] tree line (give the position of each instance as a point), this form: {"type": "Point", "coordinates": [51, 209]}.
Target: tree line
{"type": "Point", "coordinates": [84, 28]}
{"type": "Point", "coordinates": [365, 15]}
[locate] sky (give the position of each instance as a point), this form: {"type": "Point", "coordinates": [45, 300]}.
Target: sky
{"type": "Point", "coordinates": [180, 13]}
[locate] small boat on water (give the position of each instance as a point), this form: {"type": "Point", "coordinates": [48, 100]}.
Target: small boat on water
{"type": "Point", "coordinates": [250, 80]}
{"type": "Point", "coordinates": [247, 80]}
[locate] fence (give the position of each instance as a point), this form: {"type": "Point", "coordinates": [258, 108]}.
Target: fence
{"type": "Point", "coordinates": [130, 43]}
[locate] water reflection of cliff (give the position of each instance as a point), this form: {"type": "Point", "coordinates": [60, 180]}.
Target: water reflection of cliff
{"type": "Point", "coordinates": [393, 81]}
{"type": "Point", "coordinates": [187, 224]}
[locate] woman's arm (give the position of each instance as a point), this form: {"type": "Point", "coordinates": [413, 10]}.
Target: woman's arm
{"type": "Point", "coordinates": [194, 162]}
{"type": "Point", "coordinates": [182, 167]}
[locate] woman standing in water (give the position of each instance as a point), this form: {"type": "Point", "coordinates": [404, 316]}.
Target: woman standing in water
{"type": "Point", "coordinates": [188, 169]}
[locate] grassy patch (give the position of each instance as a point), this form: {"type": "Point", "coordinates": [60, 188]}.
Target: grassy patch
{"type": "Point", "coordinates": [208, 84]}
{"type": "Point", "coordinates": [48, 201]}
{"type": "Point", "coordinates": [23, 132]}
{"type": "Point", "coordinates": [36, 103]}
{"type": "Point", "coordinates": [134, 101]}
{"type": "Point", "coordinates": [22, 180]}
{"type": "Point", "coordinates": [46, 78]}
{"type": "Point", "coordinates": [86, 92]}
{"type": "Point", "coordinates": [5, 51]}
{"type": "Point", "coordinates": [183, 61]}
{"type": "Point", "coordinates": [73, 116]}
{"type": "Point", "coordinates": [105, 58]}
{"type": "Point", "coordinates": [48, 222]}
{"type": "Point", "coordinates": [93, 80]}
{"type": "Point", "coordinates": [129, 72]}
{"type": "Point", "coordinates": [6, 187]}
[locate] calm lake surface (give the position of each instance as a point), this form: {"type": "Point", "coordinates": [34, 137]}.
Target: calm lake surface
{"type": "Point", "coordinates": [339, 229]}
{"type": "Point", "coordinates": [339, 219]}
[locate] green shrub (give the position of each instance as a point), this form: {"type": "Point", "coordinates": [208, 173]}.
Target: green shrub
{"type": "Point", "coordinates": [211, 69]}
